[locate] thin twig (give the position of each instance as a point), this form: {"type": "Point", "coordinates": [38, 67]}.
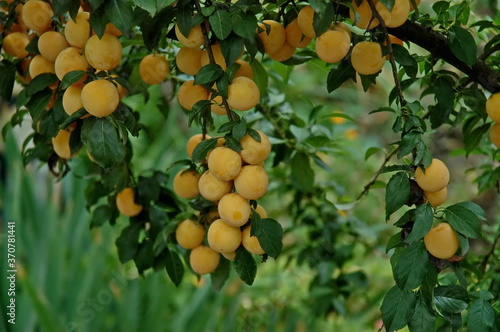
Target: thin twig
{"type": "Point", "coordinates": [484, 263]}
{"type": "Point", "coordinates": [208, 47]}
{"type": "Point", "coordinates": [381, 21]}
{"type": "Point", "coordinates": [377, 174]}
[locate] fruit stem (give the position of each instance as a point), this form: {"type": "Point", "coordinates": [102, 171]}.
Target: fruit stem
{"type": "Point", "coordinates": [399, 90]}
{"type": "Point", "coordinates": [206, 43]}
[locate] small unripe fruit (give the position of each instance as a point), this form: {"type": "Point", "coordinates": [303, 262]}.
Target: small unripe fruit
{"type": "Point", "coordinates": [186, 184]}
{"type": "Point", "coordinates": [212, 188]}
{"type": "Point", "coordinates": [251, 243]}
{"type": "Point", "coordinates": [435, 178]}
{"type": "Point", "coordinates": [125, 202]}
{"type": "Point", "coordinates": [203, 260]}
{"type": "Point", "coordinates": [234, 210]}
{"type": "Point", "coordinates": [224, 163]}
{"type": "Point", "coordinates": [252, 182]}
{"type": "Point", "coordinates": [441, 241]}
{"type": "Point", "coordinates": [189, 234]}
{"type": "Point", "coordinates": [222, 237]}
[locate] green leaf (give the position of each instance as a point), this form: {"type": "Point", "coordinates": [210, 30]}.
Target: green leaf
{"type": "Point", "coordinates": [203, 148]}
{"type": "Point", "coordinates": [423, 318]}
{"type": "Point", "coordinates": [397, 308]}
{"type": "Point", "coordinates": [474, 208]}
{"type": "Point", "coordinates": [127, 242]}
{"type": "Point", "coordinates": [232, 47]}
{"type": "Point", "coordinates": [403, 57]}
{"type": "Point", "coordinates": [337, 76]}
{"type": "Point", "coordinates": [221, 25]}
{"type": "Point", "coordinates": [152, 29]}
{"type": "Point", "coordinates": [208, 73]}
{"type": "Point", "coordinates": [462, 44]}
{"type": "Point", "coordinates": [244, 24]}
{"type": "Point", "coordinates": [429, 283]}
{"type": "Point", "coordinates": [174, 267]}
{"type": "Point", "coordinates": [7, 79]}
{"type": "Point", "coordinates": [394, 241]}
{"type": "Point", "coordinates": [397, 192]}
{"type": "Point", "coordinates": [62, 6]}
{"type": "Point", "coordinates": [119, 12]}
{"type": "Point", "coordinates": [451, 299]}
{"type": "Point", "coordinates": [32, 47]}
{"type": "Point", "coordinates": [37, 105]}
{"type": "Point", "coordinates": [144, 258]}
{"type": "Point", "coordinates": [410, 268]}
{"type": "Point", "coordinates": [51, 120]}
{"type": "Point", "coordinates": [128, 117]}
{"type": "Point", "coordinates": [389, 4]}
{"type": "Point", "coordinates": [221, 274]}
{"type": "Point", "coordinates": [444, 91]}
{"type": "Point", "coordinates": [100, 215]}
{"type": "Point", "coordinates": [72, 118]}
{"type": "Point", "coordinates": [102, 141]}
{"type": "Point", "coordinates": [424, 216]}
{"type": "Point", "coordinates": [463, 220]}
{"type": "Point", "coordinates": [239, 130]}
{"type": "Point", "coordinates": [39, 83]}
{"type": "Point", "coordinates": [269, 233]}
{"type": "Point", "coordinates": [408, 143]}
{"type": "Point", "coordinates": [481, 317]}
{"type": "Point", "coordinates": [260, 76]}
{"type": "Point", "coordinates": [302, 173]}
{"type": "Point", "coordinates": [323, 19]}
{"type": "Point", "coordinates": [98, 21]}
{"type": "Point", "coordinates": [245, 265]}
{"type": "Point", "coordinates": [71, 78]}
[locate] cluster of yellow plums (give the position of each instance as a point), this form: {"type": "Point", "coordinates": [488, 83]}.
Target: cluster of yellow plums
{"type": "Point", "coordinates": [333, 45]}
{"type": "Point", "coordinates": [441, 241]}
{"type": "Point", "coordinates": [243, 92]}
{"type": "Point", "coordinates": [493, 110]}
{"type": "Point", "coordinates": [231, 180]}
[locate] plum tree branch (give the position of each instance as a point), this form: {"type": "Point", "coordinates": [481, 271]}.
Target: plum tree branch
{"type": "Point", "coordinates": [437, 44]}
